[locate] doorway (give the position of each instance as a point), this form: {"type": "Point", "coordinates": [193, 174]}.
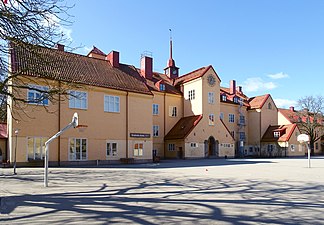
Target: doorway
{"type": "Point", "coordinates": [213, 150]}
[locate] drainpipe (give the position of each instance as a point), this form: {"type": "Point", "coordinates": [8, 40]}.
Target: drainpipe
{"type": "Point", "coordinates": [127, 126]}
{"type": "Point", "coordinates": [164, 125]}
{"type": "Point", "coordinates": [59, 127]}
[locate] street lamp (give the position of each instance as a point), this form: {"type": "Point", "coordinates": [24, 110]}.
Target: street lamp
{"type": "Point", "coordinates": [15, 160]}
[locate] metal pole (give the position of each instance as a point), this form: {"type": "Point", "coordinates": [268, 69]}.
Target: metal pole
{"type": "Point", "coordinates": [72, 124]}
{"type": "Point", "coordinates": [15, 162]}
{"type": "Point", "coordinates": [308, 153]}
{"type": "Point", "coordinates": [46, 166]}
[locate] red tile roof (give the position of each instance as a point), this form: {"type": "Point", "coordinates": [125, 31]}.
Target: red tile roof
{"type": "Point", "coordinates": [194, 75]}
{"type": "Point", "coordinates": [69, 67]}
{"type": "Point", "coordinates": [3, 131]}
{"type": "Point", "coordinates": [226, 91]}
{"type": "Point", "coordinates": [183, 127]}
{"type": "Point", "coordinates": [258, 101]}
{"type": "Point", "coordinates": [285, 131]}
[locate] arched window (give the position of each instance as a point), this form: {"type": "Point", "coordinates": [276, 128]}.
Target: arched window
{"type": "Point", "coordinates": [269, 106]}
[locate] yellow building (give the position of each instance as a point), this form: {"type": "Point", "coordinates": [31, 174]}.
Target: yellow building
{"type": "Point", "coordinates": [131, 114]}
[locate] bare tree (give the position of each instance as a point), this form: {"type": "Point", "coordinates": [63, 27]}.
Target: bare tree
{"type": "Point", "coordinates": [310, 119]}
{"type": "Point", "coordinates": [28, 26]}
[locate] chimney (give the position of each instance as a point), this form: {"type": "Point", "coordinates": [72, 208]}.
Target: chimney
{"type": "Point", "coordinates": [113, 58]}
{"type": "Point", "coordinates": [232, 87]}
{"type": "Point", "coordinates": [292, 108]}
{"type": "Point", "coordinates": [147, 67]}
{"type": "Point", "coordinates": [239, 89]}
{"type": "Point", "coordinates": [60, 47]}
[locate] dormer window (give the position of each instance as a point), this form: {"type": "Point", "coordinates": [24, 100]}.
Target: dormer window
{"type": "Point", "coordinates": [224, 98]}
{"type": "Point", "coordinates": [276, 134]}
{"type": "Point", "coordinates": [162, 87]}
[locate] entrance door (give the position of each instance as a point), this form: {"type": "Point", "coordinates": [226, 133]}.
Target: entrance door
{"type": "Point", "coordinates": [180, 153]}
{"type": "Point", "coordinates": [211, 146]}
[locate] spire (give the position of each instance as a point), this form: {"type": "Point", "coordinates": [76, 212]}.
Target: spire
{"type": "Point", "coordinates": [171, 62]}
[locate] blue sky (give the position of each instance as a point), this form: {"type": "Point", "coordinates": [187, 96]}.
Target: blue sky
{"type": "Point", "coordinates": [274, 47]}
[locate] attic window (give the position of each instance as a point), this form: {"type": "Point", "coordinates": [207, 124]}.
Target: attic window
{"type": "Point", "coordinates": [269, 106]}
{"type": "Point", "coordinates": [276, 134]}
{"type": "Point", "coordinates": [224, 98]}
{"type": "Point", "coordinates": [162, 87]}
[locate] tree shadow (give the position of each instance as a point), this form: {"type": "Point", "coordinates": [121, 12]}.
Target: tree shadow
{"type": "Point", "coordinates": [167, 200]}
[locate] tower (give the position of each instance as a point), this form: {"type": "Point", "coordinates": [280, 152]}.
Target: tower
{"type": "Point", "coordinates": [171, 70]}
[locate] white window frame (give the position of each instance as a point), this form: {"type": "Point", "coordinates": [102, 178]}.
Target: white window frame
{"type": "Point", "coordinates": [42, 147]}
{"type": "Point", "coordinates": [162, 87]}
{"type": "Point", "coordinates": [224, 98]}
{"type": "Point", "coordinates": [211, 98]}
{"type": "Point", "coordinates": [191, 95]}
{"type": "Point", "coordinates": [242, 136]}
{"type": "Point", "coordinates": [155, 109]}
{"type": "Point", "coordinates": [72, 156]}
{"type": "Point", "coordinates": [37, 95]}
{"type": "Point", "coordinates": [211, 119]}
{"type": "Point", "coordinates": [231, 118]}
{"type": "Point", "coordinates": [173, 111]}
{"type": "Point", "coordinates": [171, 147]}
{"type": "Point", "coordinates": [112, 103]}
{"type": "Point", "coordinates": [276, 134]}
{"type": "Point", "coordinates": [156, 130]}
{"type": "Point", "coordinates": [111, 151]}
{"type": "Point", "coordinates": [76, 102]}
{"type": "Point", "coordinates": [236, 100]}
{"type": "Point", "coordinates": [139, 151]}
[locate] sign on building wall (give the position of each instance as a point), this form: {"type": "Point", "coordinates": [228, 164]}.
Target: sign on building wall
{"type": "Point", "coordinates": [140, 135]}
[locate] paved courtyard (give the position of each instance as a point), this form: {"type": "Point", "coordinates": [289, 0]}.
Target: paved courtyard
{"type": "Point", "coordinates": [233, 191]}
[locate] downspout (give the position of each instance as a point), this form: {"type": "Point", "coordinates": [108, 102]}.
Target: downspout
{"type": "Point", "coordinates": [59, 126]}
{"type": "Point", "coordinates": [164, 125]}
{"type": "Point", "coordinates": [127, 126]}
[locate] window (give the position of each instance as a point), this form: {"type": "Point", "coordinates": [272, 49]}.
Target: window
{"type": "Point", "coordinates": [221, 116]}
{"type": "Point", "coordinates": [269, 106]}
{"type": "Point", "coordinates": [233, 134]}
{"type": "Point", "coordinates": [235, 99]}
{"type": "Point", "coordinates": [242, 120]}
{"type": "Point", "coordinates": [78, 100]}
{"type": "Point", "coordinates": [270, 148]}
{"type": "Point", "coordinates": [111, 149]}
{"type": "Point", "coordinates": [171, 147]}
{"type": "Point", "coordinates": [211, 119]}
{"type": "Point", "coordinates": [191, 95]}
{"type": "Point", "coordinates": [292, 148]}
{"type": "Point", "coordinates": [155, 130]}
{"type": "Point", "coordinates": [78, 149]}
{"type": "Point", "coordinates": [224, 98]}
{"type": "Point", "coordinates": [231, 118]}
{"type": "Point", "coordinates": [211, 97]}
{"type": "Point", "coordinates": [155, 109]}
{"type": "Point", "coordinates": [36, 148]}
{"type": "Point", "coordinates": [173, 111]}
{"type": "Point", "coordinates": [162, 87]}
{"type": "Point", "coordinates": [138, 149]}
{"type": "Point", "coordinates": [276, 134]}
{"type": "Point", "coordinates": [36, 96]}
{"type": "Point", "coordinates": [242, 136]}
{"type": "Point", "coordinates": [193, 145]}
{"type": "Point", "coordinates": [111, 103]}
{"type": "Point", "coordinates": [316, 145]}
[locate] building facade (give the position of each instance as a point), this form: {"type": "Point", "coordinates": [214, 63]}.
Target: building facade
{"type": "Point", "coordinates": [129, 114]}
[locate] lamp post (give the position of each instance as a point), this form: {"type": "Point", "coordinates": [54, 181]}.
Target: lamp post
{"type": "Point", "coordinates": [15, 160]}
{"type": "Point", "coordinates": [259, 111]}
